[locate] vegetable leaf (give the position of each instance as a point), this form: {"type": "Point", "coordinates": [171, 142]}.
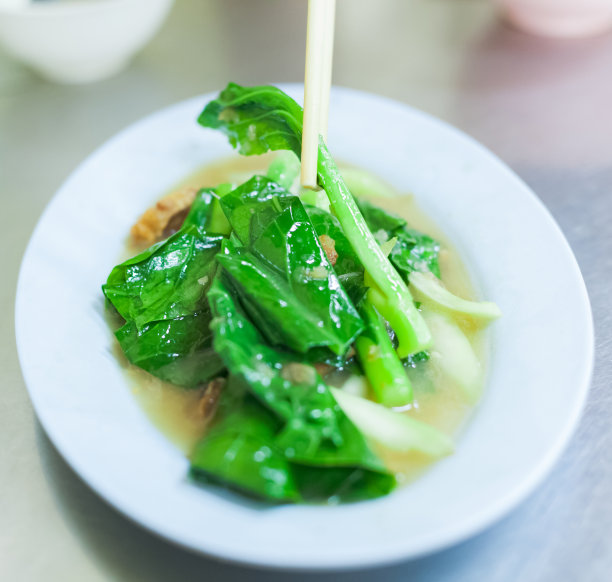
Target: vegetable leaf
{"type": "Point", "coordinates": [413, 360]}
{"type": "Point", "coordinates": [176, 350]}
{"type": "Point", "coordinates": [413, 251]}
{"type": "Point", "coordinates": [379, 219]}
{"type": "Point", "coordinates": [375, 351]}
{"type": "Point", "coordinates": [314, 430]}
{"type": "Point", "coordinates": [239, 449]}
{"type": "Point", "coordinates": [161, 293]}
{"type": "Point", "coordinates": [283, 273]}
{"type": "Point", "coordinates": [348, 262]}
{"type": "Point", "coordinates": [252, 206]}
{"type": "Point", "coordinates": [169, 279]}
{"type": "Point", "coordinates": [348, 266]}
{"type": "Point", "coordinates": [256, 120]}
{"type": "Point", "coordinates": [269, 300]}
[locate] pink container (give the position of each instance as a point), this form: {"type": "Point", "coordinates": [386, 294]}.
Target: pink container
{"type": "Point", "coordinates": [559, 18]}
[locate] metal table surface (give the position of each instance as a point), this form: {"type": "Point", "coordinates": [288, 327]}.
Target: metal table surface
{"type": "Point", "coordinates": [542, 105]}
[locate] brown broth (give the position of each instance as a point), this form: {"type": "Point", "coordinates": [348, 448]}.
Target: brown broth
{"type": "Point", "coordinates": [175, 410]}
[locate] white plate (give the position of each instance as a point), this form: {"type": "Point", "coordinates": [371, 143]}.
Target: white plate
{"type": "Point", "coordinates": [539, 371]}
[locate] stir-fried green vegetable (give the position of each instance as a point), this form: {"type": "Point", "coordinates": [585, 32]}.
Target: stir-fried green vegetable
{"type": "Point", "coordinates": [413, 250]}
{"type": "Point", "coordinates": [161, 295]}
{"type": "Point", "coordinates": [266, 292]}
{"type": "Point", "coordinates": [270, 301]}
{"type": "Point", "coordinates": [379, 361]}
{"type": "Point", "coordinates": [168, 280]}
{"type": "Point", "coordinates": [312, 429]}
{"type": "Point", "coordinates": [283, 273]}
{"type": "Point", "coordinates": [245, 429]}
{"type": "Point", "coordinates": [176, 350]}
{"type": "Point", "coordinates": [260, 119]}
{"type": "Point", "coordinates": [256, 119]}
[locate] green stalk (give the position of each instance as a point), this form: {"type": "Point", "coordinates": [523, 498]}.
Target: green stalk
{"type": "Point", "coordinates": [284, 169]}
{"type": "Point", "coordinates": [380, 361]}
{"type": "Point", "coordinates": [316, 198]}
{"type": "Point", "coordinates": [390, 295]}
{"type": "Point", "coordinates": [218, 222]}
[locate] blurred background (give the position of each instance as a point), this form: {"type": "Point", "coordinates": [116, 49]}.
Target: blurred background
{"type": "Point", "coordinates": [531, 79]}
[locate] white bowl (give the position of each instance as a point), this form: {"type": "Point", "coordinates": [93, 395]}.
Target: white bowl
{"type": "Point", "coordinates": [79, 42]}
{"type": "Point", "coordinates": [539, 368]}
{"type": "Point", "coordinates": [560, 18]}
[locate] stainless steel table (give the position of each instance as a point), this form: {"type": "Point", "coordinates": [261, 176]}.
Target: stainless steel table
{"type": "Point", "coordinates": [544, 106]}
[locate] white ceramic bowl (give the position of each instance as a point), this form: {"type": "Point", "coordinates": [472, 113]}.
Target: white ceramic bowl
{"type": "Point", "coordinates": [539, 368]}
{"type": "Point", "coordinates": [79, 42]}
{"type": "Point", "coordinates": [560, 18]}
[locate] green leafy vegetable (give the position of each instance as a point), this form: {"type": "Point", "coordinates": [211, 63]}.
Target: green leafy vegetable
{"type": "Point", "coordinates": [169, 279]}
{"type": "Point", "coordinates": [413, 360]}
{"type": "Point", "coordinates": [207, 212]}
{"type": "Point", "coordinates": [252, 206]}
{"type": "Point", "coordinates": [161, 294]}
{"type": "Point", "coordinates": [314, 432]}
{"type": "Point", "coordinates": [348, 267]}
{"type": "Point", "coordinates": [202, 208]}
{"type": "Point", "coordinates": [261, 285]}
{"type": "Point", "coordinates": [389, 293]}
{"type": "Point", "coordinates": [239, 449]}
{"type": "Point", "coordinates": [348, 262]}
{"type": "Point", "coordinates": [286, 281]}
{"type": "Point", "coordinates": [176, 350]}
{"type": "Point", "coordinates": [341, 483]}
{"type": "Point", "coordinates": [379, 219]}
{"type": "Point", "coordinates": [413, 251]}
{"type": "Point", "coordinates": [269, 301]}
{"type": "Point", "coordinates": [260, 119]}
{"type": "Point", "coordinates": [376, 353]}
{"type": "Point", "coordinates": [256, 120]}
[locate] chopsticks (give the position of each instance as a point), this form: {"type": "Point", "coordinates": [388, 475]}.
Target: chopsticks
{"type": "Point", "coordinates": [317, 84]}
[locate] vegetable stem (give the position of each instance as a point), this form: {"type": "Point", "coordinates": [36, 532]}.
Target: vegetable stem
{"type": "Point", "coordinates": [284, 169]}
{"type": "Point", "coordinates": [430, 291]}
{"type": "Point", "coordinates": [393, 430]}
{"type": "Point", "coordinates": [380, 362]}
{"type": "Point", "coordinates": [390, 295]}
{"type": "Point", "coordinates": [218, 222]}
